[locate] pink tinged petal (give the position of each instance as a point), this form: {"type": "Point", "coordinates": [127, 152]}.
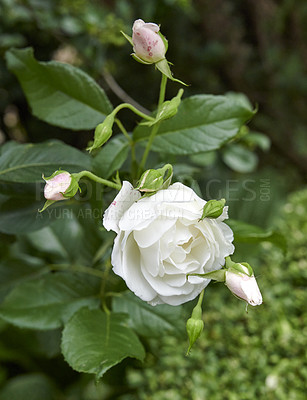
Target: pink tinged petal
{"type": "Point", "coordinates": [147, 44]}
{"type": "Point", "coordinates": [244, 287]}
{"type": "Point", "coordinates": [122, 202]}
{"type": "Point", "coordinates": [137, 24]}
{"type": "Point", "coordinates": [153, 27]}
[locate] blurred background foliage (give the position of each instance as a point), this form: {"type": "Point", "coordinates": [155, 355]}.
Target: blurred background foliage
{"type": "Point", "coordinates": [254, 47]}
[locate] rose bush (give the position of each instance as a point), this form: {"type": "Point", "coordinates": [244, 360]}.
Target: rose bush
{"type": "Point", "coordinates": [160, 239]}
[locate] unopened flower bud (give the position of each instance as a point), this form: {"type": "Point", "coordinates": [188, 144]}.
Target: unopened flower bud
{"type": "Point", "coordinates": [61, 185]}
{"type": "Point", "coordinates": [148, 45]}
{"type": "Point", "coordinates": [213, 209]}
{"type": "Point", "coordinates": [167, 110]}
{"type": "Point", "coordinates": [56, 186]}
{"type": "Point", "coordinates": [194, 329]}
{"type": "Point", "coordinates": [103, 132]}
{"type": "Point", "coordinates": [195, 325]}
{"type": "Point", "coordinates": [241, 281]}
{"type": "Point", "coordinates": [152, 180]}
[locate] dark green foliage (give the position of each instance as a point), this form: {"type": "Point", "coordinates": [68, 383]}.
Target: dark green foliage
{"type": "Point", "coordinates": [243, 356]}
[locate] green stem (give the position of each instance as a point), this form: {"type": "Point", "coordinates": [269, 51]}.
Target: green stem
{"type": "Point", "coordinates": [126, 134]}
{"type": "Point", "coordinates": [162, 90]}
{"type": "Point", "coordinates": [77, 268]}
{"type": "Point", "coordinates": [200, 299]}
{"type": "Point", "coordinates": [123, 130]}
{"type": "Point", "coordinates": [135, 110]}
{"type": "Point", "coordinates": [156, 126]}
{"type": "Point", "coordinates": [96, 178]}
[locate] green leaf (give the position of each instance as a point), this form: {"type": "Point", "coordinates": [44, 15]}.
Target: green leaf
{"type": "Point", "coordinates": [247, 233]}
{"type": "Point", "coordinates": [256, 139]}
{"type": "Point", "coordinates": [202, 123]}
{"type": "Point", "coordinates": [47, 302]}
{"type": "Point", "coordinates": [239, 158]}
{"type": "Point", "coordinates": [147, 320]}
{"type": "Point", "coordinates": [93, 341]}
{"type": "Point", "coordinates": [20, 215]}
{"type": "Point", "coordinates": [59, 93]}
{"type": "Point", "coordinates": [111, 157]}
{"type": "Point", "coordinates": [14, 271]}
{"type": "Point", "coordinates": [66, 239]}
{"type": "Point", "coordinates": [26, 163]}
{"type": "Point", "coordinates": [29, 387]}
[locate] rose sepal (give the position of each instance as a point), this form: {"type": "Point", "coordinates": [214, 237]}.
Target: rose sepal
{"type": "Point", "coordinates": [165, 41]}
{"type": "Point", "coordinates": [57, 172]}
{"type": "Point", "coordinates": [46, 205]}
{"type": "Point", "coordinates": [238, 269]}
{"type": "Point", "coordinates": [73, 187]}
{"type": "Point", "coordinates": [129, 38]}
{"type": "Point", "coordinates": [163, 67]}
{"type": "Point", "coordinates": [139, 60]}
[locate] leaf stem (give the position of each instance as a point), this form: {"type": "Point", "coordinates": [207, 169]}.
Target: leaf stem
{"type": "Point", "coordinates": [156, 126]}
{"type": "Point", "coordinates": [96, 178]}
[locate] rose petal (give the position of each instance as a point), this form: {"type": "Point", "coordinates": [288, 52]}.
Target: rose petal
{"type": "Point", "coordinates": [129, 268]}
{"type": "Point", "coordinates": [148, 236]}
{"type": "Point", "coordinates": [122, 202]}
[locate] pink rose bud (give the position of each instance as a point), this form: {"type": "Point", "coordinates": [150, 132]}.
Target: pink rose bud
{"type": "Point", "coordinates": [56, 186]}
{"type": "Point", "coordinates": [243, 285]}
{"type": "Point", "coordinates": [147, 43]}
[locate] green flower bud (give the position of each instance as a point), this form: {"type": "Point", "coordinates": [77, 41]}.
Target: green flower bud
{"type": "Point", "coordinates": [153, 180]}
{"type": "Point", "coordinates": [194, 329]}
{"type": "Point", "coordinates": [213, 209]}
{"type": "Point", "coordinates": [167, 110]}
{"type": "Point", "coordinates": [103, 132]}
{"type": "Point", "coordinates": [195, 324]}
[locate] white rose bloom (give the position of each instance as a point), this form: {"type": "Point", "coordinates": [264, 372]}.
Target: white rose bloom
{"type": "Point", "coordinates": [160, 240]}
